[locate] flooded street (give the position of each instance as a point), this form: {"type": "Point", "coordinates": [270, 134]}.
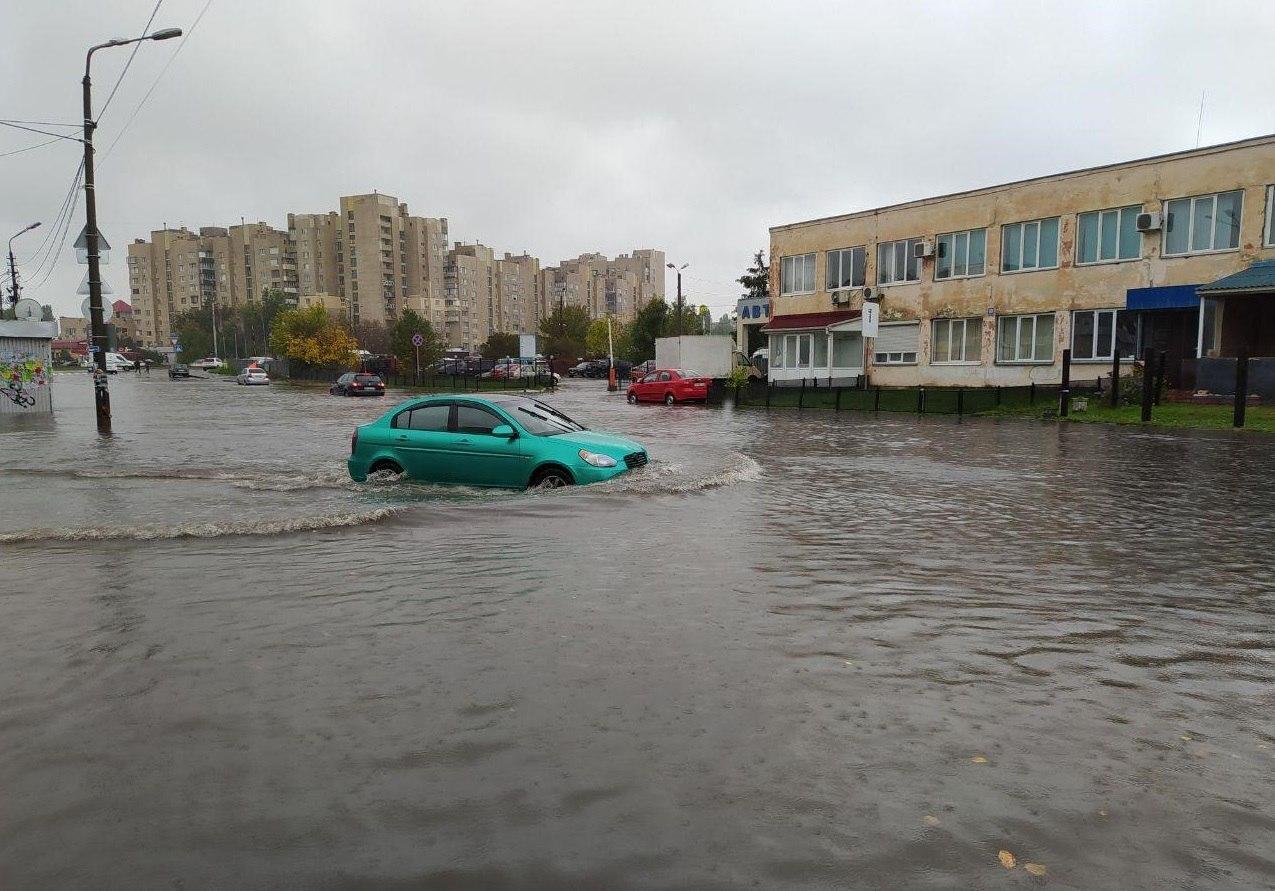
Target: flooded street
{"type": "Point", "coordinates": [807, 650]}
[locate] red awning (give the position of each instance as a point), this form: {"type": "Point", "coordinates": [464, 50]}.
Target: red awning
{"type": "Point", "coordinates": [807, 320]}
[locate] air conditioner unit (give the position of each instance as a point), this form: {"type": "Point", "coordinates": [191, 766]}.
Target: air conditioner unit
{"type": "Point", "coordinates": [923, 249]}
{"type": "Point", "coordinates": [1148, 222]}
{"type": "Point", "coordinates": [840, 297]}
{"type": "Point", "coordinates": [868, 294]}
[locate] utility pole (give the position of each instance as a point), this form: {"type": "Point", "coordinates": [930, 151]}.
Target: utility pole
{"type": "Point", "coordinates": [98, 337]}
{"type": "Point", "coordinates": [678, 270]}
{"type": "Point", "coordinates": [15, 290]}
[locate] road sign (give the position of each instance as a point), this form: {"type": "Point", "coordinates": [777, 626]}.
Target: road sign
{"type": "Point", "coordinates": [107, 312]}
{"type": "Point", "coordinates": [82, 248]}
{"type": "Point", "coordinates": [84, 289]}
{"type": "Point", "coordinates": [177, 347]}
{"type": "Point", "coordinates": [417, 339]}
{"type": "Point", "coordinates": [871, 318]}
{"type": "Point", "coordinates": [94, 348]}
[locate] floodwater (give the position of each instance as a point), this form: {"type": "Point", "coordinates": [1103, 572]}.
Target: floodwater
{"type": "Point", "coordinates": [804, 650]}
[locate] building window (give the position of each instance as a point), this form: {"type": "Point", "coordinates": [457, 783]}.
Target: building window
{"type": "Point", "coordinates": [1269, 241]}
{"type": "Point", "coordinates": [1203, 223]}
{"type": "Point", "coordinates": [847, 268]}
{"type": "Point", "coordinates": [1030, 245]}
{"type": "Point", "coordinates": [897, 262]}
{"type": "Point", "coordinates": [1025, 338]}
{"type": "Point", "coordinates": [1094, 332]}
{"type": "Point", "coordinates": [790, 350]}
{"type": "Point", "coordinates": [960, 254]}
{"type": "Point", "coordinates": [1107, 236]}
{"type": "Point", "coordinates": [956, 340]}
{"type": "Point", "coordinates": [897, 344]}
{"type": "Point", "coordinates": [797, 275]}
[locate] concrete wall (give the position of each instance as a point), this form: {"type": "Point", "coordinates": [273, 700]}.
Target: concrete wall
{"type": "Point", "coordinates": [1249, 165]}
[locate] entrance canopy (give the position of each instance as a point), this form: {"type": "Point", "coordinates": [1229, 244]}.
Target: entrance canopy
{"type": "Point", "coordinates": [1163, 297]}
{"type": "Point", "coordinates": [809, 321]}
{"type": "Point", "coordinates": [1258, 278]}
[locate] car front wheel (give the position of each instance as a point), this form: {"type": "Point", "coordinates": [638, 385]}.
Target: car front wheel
{"type": "Point", "coordinates": [668, 399]}
{"type": "Point", "coordinates": [551, 478]}
{"type": "Point", "coordinates": [632, 399]}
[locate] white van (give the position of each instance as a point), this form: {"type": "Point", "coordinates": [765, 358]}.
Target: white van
{"type": "Point", "coordinates": [115, 362]}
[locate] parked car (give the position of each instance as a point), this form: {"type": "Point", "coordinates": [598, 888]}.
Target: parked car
{"type": "Point", "coordinates": [641, 370]}
{"type": "Point", "coordinates": [252, 376]}
{"type": "Point", "coordinates": [179, 370]}
{"type": "Point", "coordinates": [207, 362]}
{"type": "Point", "coordinates": [354, 383]}
{"type": "Point", "coordinates": [580, 369]}
{"type": "Point", "coordinates": [670, 386]}
{"type": "Point", "coordinates": [508, 441]}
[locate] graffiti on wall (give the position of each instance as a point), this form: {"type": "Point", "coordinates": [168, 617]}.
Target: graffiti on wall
{"type": "Point", "coordinates": [20, 377]}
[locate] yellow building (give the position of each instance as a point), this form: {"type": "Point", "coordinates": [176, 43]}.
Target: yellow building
{"type": "Point", "coordinates": [605, 287]}
{"type": "Point", "coordinates": [989, 286]}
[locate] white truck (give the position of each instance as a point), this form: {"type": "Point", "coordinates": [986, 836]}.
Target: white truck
{"type": "Point", "coordinates": [709, 355]}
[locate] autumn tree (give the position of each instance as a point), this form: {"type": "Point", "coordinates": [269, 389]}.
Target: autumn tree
{"type": "Point", "coordinates": [563, 332]}
{"type": "Point", "coordinates": [595, 339]}
{"type": "Point", "coordinates": [312, 337]}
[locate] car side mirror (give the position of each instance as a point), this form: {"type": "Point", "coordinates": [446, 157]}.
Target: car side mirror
{"type": "Point", "coordinates": [504, 431]}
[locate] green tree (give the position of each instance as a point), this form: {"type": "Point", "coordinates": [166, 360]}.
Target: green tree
{"type": "Point", "coordinates": [723, 325]}
{"type": "Point", "coordinates": [595, 339]}
{"type": "Point", "coordinates": [401, 346]}
{"type": "Point", "coordinates": [563, 332]}
{"type": "Point", "coordinates": [312, 337]}
{"type": "Point", "coordinates": [499, 345]}
{"type": "Point", "coordinates": [648, 325]}
{"type": "Point", "coordinates": [194, 333]}
{"type": "Point", "coordinates": [756, 280]}
{"type": "Point", "coordinates": [255, 320]}
{"type": "Point", "coordinates": [691, 323]}
{"type": "Point", "coordinates": [46, 313]}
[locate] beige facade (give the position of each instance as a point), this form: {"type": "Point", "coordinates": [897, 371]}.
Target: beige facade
{"type": "Point", "coordinates": [605, 287]}
{"type": "Point", "coordinates": [72, 328]}
{"type": "Point", "coordinates": [1061, 264]}
{"type": "Point", "coordinates": [164, 280]}
{"type": "Point", "coordinates": [314, 242]}
{"type": "Point", "coordinates": [331, 302]}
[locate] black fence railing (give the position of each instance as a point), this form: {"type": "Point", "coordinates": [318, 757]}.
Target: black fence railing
{"type": "Point", "coordinates": [918, 400]}
{"type": "Point", "coordinates": [433, 381]}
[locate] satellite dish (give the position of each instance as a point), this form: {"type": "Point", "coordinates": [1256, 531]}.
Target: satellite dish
{"type": "Point", "coordinates": [28, 310]}
{"type": "Point", "coordinates": [107, 312]}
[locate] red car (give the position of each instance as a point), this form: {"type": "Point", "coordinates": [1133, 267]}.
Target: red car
{"type": "Point", "coordinates": [670, 385]}
{"type": "Point", "coordinates": [641, 370]}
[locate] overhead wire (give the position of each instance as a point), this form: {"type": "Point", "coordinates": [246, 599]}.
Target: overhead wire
{"type": "Point", "coordinates": [28, 148]}
{"type": "Point", "coordinates": [119, 80]}
{"type": "Point", "coordinates": [66, 226]}
{"type": "Point", "coordinates": [18, 126]}
{"type": "Point", "coordinates": [45, 252]}
{"type": "Point", "coordinates": [185, 36]}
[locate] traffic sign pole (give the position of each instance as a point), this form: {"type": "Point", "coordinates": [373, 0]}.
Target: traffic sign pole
{"type": "Point", "coordinates": [417, 340]}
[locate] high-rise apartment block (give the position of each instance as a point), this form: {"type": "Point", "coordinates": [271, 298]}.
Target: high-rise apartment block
{"type": "Point", "coordinates": [604, 287]}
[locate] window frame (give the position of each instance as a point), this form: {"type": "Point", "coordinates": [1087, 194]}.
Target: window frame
{"type": "Point", "coordinates": [938, 239]}
{"type": "Point", "coordinates": [902, 360]}
{"type": "Point", "coordinates": [453, 423]}
{"type": "Point", "coordinates": [1021, 224]}
{"type": "Point", "coordinates": [1136, 208]}
{"type": "Point", "coordinates": [965, 324]}
{"type": "Point", "coordinates": [1115, 335]}
{"type": "Point", "coordinates": [841, 252]}
{"type": "Point", "coordinates": [907, 249]}
{"type": "Point", "coordinates": [1190, 232]}
{"type": "Point", "coordinates": [1268, 237]}
{"type": "Point", "coordinates": [814, 278]}
{"type": "Point", "coordinates": [1017, 317]}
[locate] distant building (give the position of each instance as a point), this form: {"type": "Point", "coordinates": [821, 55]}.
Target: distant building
{"type": "Point", "coordinates": [72, 328]}
{"type": "Point", "coordinates": [605, 287]}
{"type": "Point", "coordinates": [989, 286]}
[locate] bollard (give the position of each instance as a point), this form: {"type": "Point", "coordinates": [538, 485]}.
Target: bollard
{"type": "Point", "coordinates": [838, 408]}
{"type": "Point", "coordinates": [1064, 394]}
{"type": "Point", "coordinates": [1115, 378]}
{"type": "Point", "coordinates": [960, 402]}
{"type": "Point", "coordinates": [1241, 389]}
{"type": "Point", "coordinates": [876, 404]}
{"type": "Point", "coordinates": [769, 385]}
{"type": "Point", "coordinates": [920, 400]}
{"type": "Point", "coordinates": [1031, 394]}
{"type": "Point", "coordinates": [801, 397]}
{"type": "Point", "coordinates": [1159, 375]}
{"type": "Point", "coordinates": [1148, 383]}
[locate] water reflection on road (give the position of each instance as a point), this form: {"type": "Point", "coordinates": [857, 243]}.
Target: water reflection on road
{"type": "Point", "coordinates": [797, 650]}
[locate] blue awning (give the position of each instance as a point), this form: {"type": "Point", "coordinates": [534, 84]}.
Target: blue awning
{"type": "Point", "coordinates": [1163, 297]}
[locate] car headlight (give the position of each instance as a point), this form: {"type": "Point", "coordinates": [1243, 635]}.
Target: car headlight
{"type": "Point", "coordinates": [595, 459]}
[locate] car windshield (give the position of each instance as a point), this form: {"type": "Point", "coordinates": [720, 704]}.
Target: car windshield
{"type": "Point", "coordinates": [368, 379]}
{"type": "Point", "coordinates": [686, 372]}
{"type": "Point", "coordinates": [542, 420]}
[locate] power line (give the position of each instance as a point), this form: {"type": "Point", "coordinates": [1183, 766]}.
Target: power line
{"type": "Point", "coordinates": [48, 247]}
{"type": "Point", "coordinates": [18, 126]}
{"type": "Point", "coordinates": [119, 80]}
{"type": "Point", "coordinates": [185, 36]}
{"type": "Point", "coordinates": [66, 225]}
{"type": "Point", "coordinates": [28, 148]}
{"type": "Point", "coordinates": [44, 123]}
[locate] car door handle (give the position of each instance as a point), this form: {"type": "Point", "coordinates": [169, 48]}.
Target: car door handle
{"type": "Point", "coordinates": [465, 440]}
{"type": "Point", "coordinates": [402, 437]}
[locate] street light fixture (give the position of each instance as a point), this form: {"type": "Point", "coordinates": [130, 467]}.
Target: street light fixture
{"type": "Point", "coordinates": [14, 290]}
{"type": "Point", "coordinates": [678, 270]}
{"type": "Point", "coordinates": [98, 339]}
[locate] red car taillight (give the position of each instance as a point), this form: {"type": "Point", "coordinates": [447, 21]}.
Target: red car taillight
{"type": "Point", "coordinates": [354, 440]}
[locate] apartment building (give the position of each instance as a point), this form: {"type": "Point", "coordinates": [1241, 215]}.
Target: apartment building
{"type": "Point", "coordinates": [164, 278]}
{"type": "Point", "coordinates": [314, 243]}
{"type": "Point", "coordinates": [605, 287]}
{"type": "Point", "coordinates": [73, 328]}
{"type": "Point", "coordinates": [989, 286]}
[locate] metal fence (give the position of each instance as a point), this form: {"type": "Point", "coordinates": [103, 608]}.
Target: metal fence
{"type": "Point", "coordinates": [434, 382]}
{"type": "Point", "coordinates": [918, 400]}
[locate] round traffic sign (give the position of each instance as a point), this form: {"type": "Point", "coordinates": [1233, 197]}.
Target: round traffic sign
{"type": "Point", "coordinates": [417, 339]}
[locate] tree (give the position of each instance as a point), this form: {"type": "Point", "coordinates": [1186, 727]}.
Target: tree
{"type": "Point", "coordinates": [375, 337]}
{"type": "Point", "coordinates": [194, 333]}
{"type": "Point", "coordinates": [400, 340]}
{"type": "Point", "coordinates": [46, 313]}
{"type": "Point", "coordinates": [595, 339]}
{"type": "Point", "coordinates": [499, 345]}
{"type": "Point", "coordinates": [563, 332]}
{"type": "Point", "coordinates": [691, 323]}
{"type": "Point", "coordinates": [648, 325]}
{"type": "Point", "coordinates": [723, 325]}
{"type": "Point", "coordinates": [313, 337]}
{"type": "Point", "coordinates": [255, 320]}
{"type": "Point", "coordinates": [756, 280]}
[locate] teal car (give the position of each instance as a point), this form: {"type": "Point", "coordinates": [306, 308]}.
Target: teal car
{"type": "Point", "coordinates": [507, 441]}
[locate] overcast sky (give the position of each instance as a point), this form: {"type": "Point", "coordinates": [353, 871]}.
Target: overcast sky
{"type": "Point", "coordinates": [565, 127]}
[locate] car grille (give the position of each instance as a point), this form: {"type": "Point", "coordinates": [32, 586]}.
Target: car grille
{"type": "Point", "coordinates": [635, 459]}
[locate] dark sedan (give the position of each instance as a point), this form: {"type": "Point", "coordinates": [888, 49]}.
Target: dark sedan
{"type": "Point", "coordinates": [357, 384]}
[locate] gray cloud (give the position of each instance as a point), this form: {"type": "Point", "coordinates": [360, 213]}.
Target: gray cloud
{"type": "Point", "coordinates": [562, 127]}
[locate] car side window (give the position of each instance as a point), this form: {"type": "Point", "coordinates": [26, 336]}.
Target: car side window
{"type": "Point", "coordinates": [663, 376]}
{"type": "Point", "coordinates": [432, 418]}
{"type": "Point", "coordinates": [474, 420]}
{"type": "Point", "coordinates": [649, 379]}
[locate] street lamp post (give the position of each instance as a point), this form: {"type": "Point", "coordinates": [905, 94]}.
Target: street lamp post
{"type": "Point", "coordinates": [14, 289]}
{"type": "Point", "coordinates": [101, 396]}
{"type": "Point", "coordinates": [678, 270]}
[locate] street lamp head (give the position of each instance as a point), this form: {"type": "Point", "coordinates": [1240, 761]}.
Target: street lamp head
{"type": "Point", "coordinates": [670, 265]}
{"type": "Point", "coordinates": [35, 225]}
{"type": "Point", "coordinates": [166, 33]}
